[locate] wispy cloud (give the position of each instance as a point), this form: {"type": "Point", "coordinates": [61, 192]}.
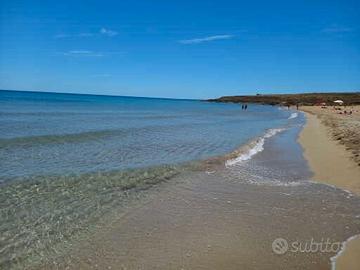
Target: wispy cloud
{"type": "Point", "coordinates": [108, 32]}
{"type": "Point", "coordinates": [83, 53]}
{"type": "Point", "coordinates": [337, 29]}
{"type": "Point", "coordinates": [63, 36]}
{"type": "Point", "coordinates": [88, 53]}
{"type": "Point", "coordinates": [206, 39]}
{"type": "Point", "coordinates": [102, 32]}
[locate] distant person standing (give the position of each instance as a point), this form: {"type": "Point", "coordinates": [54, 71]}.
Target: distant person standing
{"type": "Point", "coordinates": [245, 106]}
{"type": "Point", "coordinates": [297, 106]}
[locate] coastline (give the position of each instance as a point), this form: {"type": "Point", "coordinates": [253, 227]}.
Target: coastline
{"type": "Point", "coordinates": [181, 224]}
{"type": "Point", "coordinates": [333, 164]}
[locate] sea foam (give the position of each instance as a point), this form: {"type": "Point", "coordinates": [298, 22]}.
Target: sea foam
{"type": "Point", "coordinates": [342, 250]}
{"type": "Point", "coordinates": [253, 147]}
{"type": "Point", "coordinates": [293, 115]}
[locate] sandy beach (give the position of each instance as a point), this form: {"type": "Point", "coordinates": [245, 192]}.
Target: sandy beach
{"type": "Point", "coordinates": [331, 146]}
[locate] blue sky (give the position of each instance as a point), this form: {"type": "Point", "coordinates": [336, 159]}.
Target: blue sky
{"type": "Point", "coordinates": [180, 49]}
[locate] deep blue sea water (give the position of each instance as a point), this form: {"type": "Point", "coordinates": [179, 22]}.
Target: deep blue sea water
{"type": "Point", "coordinates": [57, 134]}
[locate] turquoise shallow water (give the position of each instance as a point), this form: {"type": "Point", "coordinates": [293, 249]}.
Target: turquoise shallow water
{"type": "Point", "coordinates": [67, 161]}
{"type": "Point", "coordinates": [58, 134]}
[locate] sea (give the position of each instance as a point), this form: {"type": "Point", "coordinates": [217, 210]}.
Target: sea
{"type": "Point", "coordinates": [70, 161]}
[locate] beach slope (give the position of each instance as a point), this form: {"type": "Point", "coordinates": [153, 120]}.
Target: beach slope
{"type": "Point", "coordinates": [330, 145]}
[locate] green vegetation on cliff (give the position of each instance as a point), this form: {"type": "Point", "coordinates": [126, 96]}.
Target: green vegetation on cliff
{"type": "Point", "coordinates": [292, 99]}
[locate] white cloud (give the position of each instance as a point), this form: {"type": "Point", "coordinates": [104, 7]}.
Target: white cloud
{"type": "Point", "coordinates": [88, 53]}
{"type": "Point", "coordinates": [102, 32]}
{"type": "Point", "coordinates": [83, 53]}
{"type": "Point", "coordinates": [206, 39]}
{"type": "Point", "coordinates": [108, 32]}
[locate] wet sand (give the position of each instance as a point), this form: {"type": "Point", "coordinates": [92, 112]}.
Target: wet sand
{"type": "Point", "coordinates": [331, 146]}
{"type": "Point", "coordinates": [203, 224]}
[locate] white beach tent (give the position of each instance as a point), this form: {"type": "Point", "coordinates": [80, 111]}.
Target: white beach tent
{"type": "Point", "coordinates": [340, 102]}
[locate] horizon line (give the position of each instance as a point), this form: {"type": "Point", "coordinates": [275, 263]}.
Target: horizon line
{"type": "Point", "coordinates": [90, 94]}
{"type": "Point", "coordinates": [189, 99]}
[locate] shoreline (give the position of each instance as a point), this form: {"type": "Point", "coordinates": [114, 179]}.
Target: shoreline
{"type": "Point", "coordinates": [182, 224]}
{"type": "Point", "coordinates": [180, 214]}
{"type": "Point", "coordinates": [332, 163]}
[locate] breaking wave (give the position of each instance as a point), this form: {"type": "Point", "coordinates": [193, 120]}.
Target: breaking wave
{"type": "Point", "coordinates": [293, 115]}
{"type": "Point", "coordinates": [254, 147]}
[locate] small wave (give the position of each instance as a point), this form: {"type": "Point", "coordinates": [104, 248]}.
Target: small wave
{"type": "Point", "coordinates": [253, 147]}
{"type": "Point", "coordinates": [342, 250]}
{"type": "Point", "coordinates": [61, 138]}
{"type": "Point", "coordinates": [348, 193]}
{"type": "Point", "coordinates": [278, 183]}
{"type": "Point", "coordinates": [293, 115]}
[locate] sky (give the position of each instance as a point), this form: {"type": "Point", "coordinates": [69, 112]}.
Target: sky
{"type": "Point", "coordinates": [180, 49]}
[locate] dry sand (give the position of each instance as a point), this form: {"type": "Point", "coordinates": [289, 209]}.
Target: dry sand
{"type": "Point", "coordinates": [331, 146]}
